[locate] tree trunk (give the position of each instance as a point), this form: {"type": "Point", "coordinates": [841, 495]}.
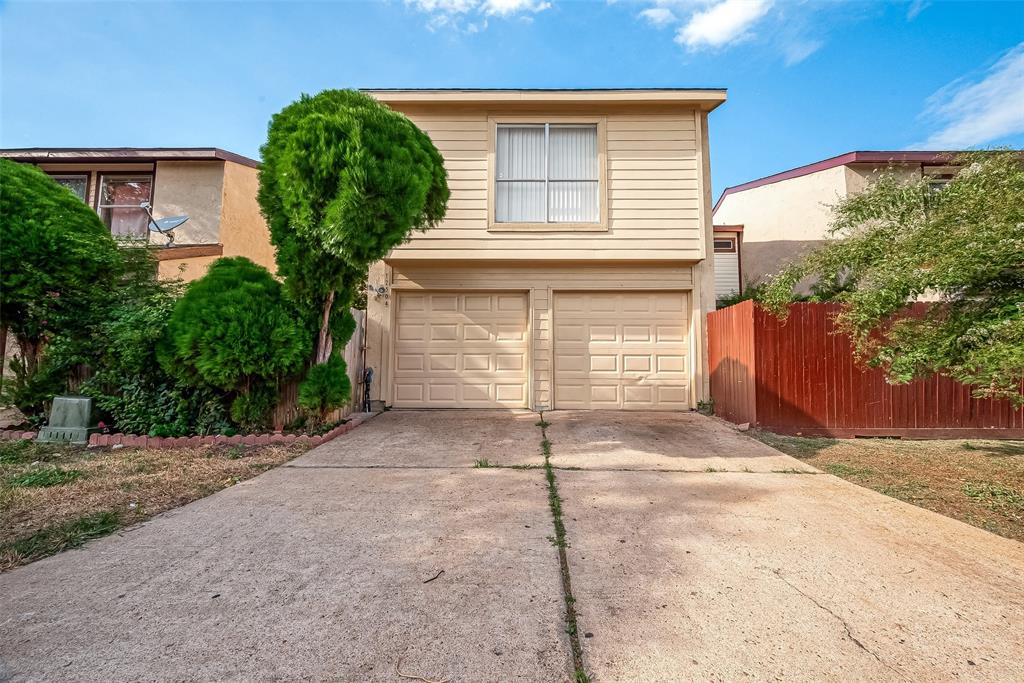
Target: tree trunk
{"type": "Point", "coordinates": [325, 343]}
{"type": "Point", "coordinates": [3, 353]}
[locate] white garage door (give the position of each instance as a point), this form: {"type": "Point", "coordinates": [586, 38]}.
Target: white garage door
{"type": "Point", "coordinates": [622, 350]}
{"type": "Point", "coordinates": [460, 350]}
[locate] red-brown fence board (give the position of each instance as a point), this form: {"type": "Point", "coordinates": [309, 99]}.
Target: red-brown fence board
{"type": "Point", "coordinates": [799, 376]}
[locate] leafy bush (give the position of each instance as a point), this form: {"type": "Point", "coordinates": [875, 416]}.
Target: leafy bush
{"type": "Point", "coordinates": [326, 387]}
{"type": "Point", "coordinates": [250, 410]}
{"type": "Point", "coordinates": [63, 277]}
{"type": "Point", "coordinates": [899, 241]}
{"type": "Point", "coordinates": [233, 331]}
{"type": "Point", "coordinates": [61, 271]}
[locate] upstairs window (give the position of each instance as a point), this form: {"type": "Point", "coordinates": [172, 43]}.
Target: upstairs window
{"type": "Point", "coordinates": [547, 173]}
{"type": "Point", "coordinates": [120, 197]}
{"type": "Point", "coordinates": [76, 182]}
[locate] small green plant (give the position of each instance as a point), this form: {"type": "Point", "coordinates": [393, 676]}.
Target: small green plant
{"type": "Point", "coordinates": [841, 470]}
{"type": "Point", "coordinates": [543, 424]}
{"type": "Point", "coordinates": [326, 387]}
{"type": "Point", "coordinates": [44, 477]}
{"type": "Point", "coordinates": [994, 496]}
{"type": "Point", "coordinates": [706, 407]}
{"type": "Point", "coordinates": [235, 452]}
{"type": "Point", "coordinates": [54, 539]}
{"type": "Point", "coordinates": [482, 463]}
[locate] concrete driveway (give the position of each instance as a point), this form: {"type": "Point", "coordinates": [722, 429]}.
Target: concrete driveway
{"type": "Point", "coordinates": [695, 554]}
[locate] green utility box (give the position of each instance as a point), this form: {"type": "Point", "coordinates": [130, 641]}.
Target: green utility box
{"type": "Point", "coordinates": [71, 421]}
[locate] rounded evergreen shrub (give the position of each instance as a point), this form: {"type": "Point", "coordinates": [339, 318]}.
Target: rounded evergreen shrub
{"type": "Point", "coordinates": [234, 330]}
{"type": "Point", "coordinates": [326, 387]}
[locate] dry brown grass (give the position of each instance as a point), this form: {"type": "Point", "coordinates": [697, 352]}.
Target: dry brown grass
{"type": "Point", "coordinates": [125, 484]}
{"type": "Point", "coordinates": [978, 482]}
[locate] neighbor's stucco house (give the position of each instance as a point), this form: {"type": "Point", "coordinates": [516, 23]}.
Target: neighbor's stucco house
{"type": "Point", "coordinates": [571, 270]}
{"type": "Point", "coordinates": [762, 225]}
{"type": "Point", "coordinates": [215, 188]}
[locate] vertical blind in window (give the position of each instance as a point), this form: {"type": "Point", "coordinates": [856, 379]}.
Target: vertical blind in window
{"type": "Point", "coordinates": [546, 173]}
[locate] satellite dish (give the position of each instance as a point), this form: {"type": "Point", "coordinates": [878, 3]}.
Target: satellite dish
{"type": "Point", "coordinates": [164, 226]}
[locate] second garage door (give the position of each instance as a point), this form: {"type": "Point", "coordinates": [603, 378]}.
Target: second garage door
{"type": "Point", "coordinates": [460, 350]}
{"type": "Point", "coordinates": [622, 350]}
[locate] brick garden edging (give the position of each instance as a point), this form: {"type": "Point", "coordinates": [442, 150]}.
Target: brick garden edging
{"type": "Point", "coordinates": [137, 441]}
{"type": "Point", "coordinates": [15, 434]}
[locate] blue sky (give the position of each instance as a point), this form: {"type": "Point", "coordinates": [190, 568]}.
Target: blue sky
{"type": "Point", "coordinates": [807, 80]}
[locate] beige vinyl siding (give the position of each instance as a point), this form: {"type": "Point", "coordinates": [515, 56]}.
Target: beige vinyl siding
{"type": "Point", "coordinates": [651, 195]}
{"type": "Point", "coordinates": [540, 282]}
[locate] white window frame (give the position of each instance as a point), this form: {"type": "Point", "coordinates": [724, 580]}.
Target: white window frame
{"type": "Point", "coordinates": [101, 181]}
{"type": "Point", "coordinates": [600, 122]}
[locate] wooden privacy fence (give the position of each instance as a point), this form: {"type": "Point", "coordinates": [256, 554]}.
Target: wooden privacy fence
{"type": "Point", "coordinates": [799, 376]}
{"type": "Point", "coordinates": [288, 404]}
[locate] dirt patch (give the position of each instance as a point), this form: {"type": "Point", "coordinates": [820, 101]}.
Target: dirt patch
{"type": "Point", "coordinates": [55, 497]}
{"type": "Point", "coordinates": [978, 482]}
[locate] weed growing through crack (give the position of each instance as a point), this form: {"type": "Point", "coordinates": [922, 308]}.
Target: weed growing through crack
{"type": "Point", "coordinates": [558, 540]}
{"type": "Point", "coordinates": [482, 463]}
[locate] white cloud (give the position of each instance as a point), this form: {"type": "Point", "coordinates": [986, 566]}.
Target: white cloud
{"type": "Point", "coordinates": [443, 6]}
{"type": "Point", "coordinates": [798, 50]}
{"type": "Point", "coordinates": [977, 112]}
{"type": "Point", "coordinates": [725, 22]}
{"type": "Point", "coordinates": [658, 16]}
{"type": "Point", "coordinates": [505, 8]}
{"type": "Point", "coordinates": [916, 7]}
{"type": "Point", "coordinates": [471, 15]}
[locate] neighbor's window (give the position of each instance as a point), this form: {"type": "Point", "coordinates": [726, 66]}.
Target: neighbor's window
{"type": "Point", "coordinates": [76, 182]}
{"type": "Point", "coordinates": [725, 245]}
{"type": "Point", "coordinates": [546, 173]}
{"type": "Point", "coordinates": [120, 197]}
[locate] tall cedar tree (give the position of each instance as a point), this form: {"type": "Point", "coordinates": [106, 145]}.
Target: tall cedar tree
{"type": "Point", "coordinates": [962, 245]}
{"type": "Point", "coordinates": [344, 180]}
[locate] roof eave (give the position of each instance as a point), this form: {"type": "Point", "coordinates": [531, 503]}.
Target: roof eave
{"type": "Point", "coordinates": [856, 157]}
{"type": "Point", "coordinates": [124, 154]}
{"type": "Point", "coordinates": [707, 98]}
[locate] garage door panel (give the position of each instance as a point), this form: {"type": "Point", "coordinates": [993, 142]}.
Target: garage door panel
{"type": "Point", "coordinates": [625, 350]}
{"type": "Point", "coordinates": [456, 350]}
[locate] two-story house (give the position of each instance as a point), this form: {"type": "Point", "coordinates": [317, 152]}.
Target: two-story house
{"type": "Point", "coordinates": [216, 189]}
{"type": "Point", "coordinates": [764, 224]}
{"type": "Point", "coordinates": [571, 269]}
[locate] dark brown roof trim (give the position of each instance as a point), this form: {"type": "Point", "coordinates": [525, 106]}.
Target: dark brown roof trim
{"type": "Point", "coordinates": [841, 160]}
{"type": "Point", "coordinates": [39, 155]}
{"type": "Point", "coordinates": [183, 251]}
